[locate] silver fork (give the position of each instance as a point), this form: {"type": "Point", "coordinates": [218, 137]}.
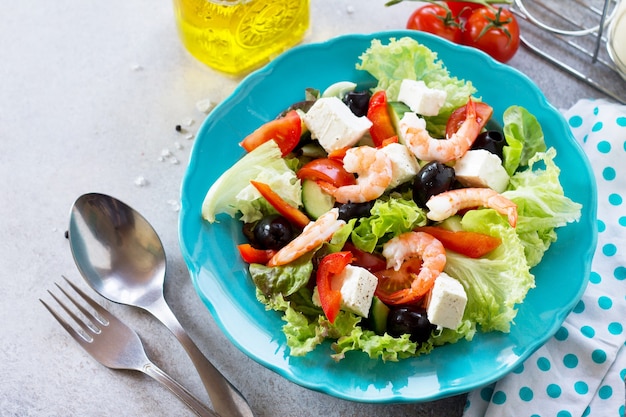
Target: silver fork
{"type": "Point", "coordinates": [117, 346]}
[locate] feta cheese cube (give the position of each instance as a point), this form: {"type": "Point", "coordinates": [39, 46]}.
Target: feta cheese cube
{"type": "Point", "coordinates": [357, 286]}
{"type": "Point", "coordinates": [333, 124]}
{"type": "Point", "coordinates": [446, 302]}
{"type": "Point", "coordinates": [481, 168]}
{"type": "Point", "coordinates": [404, 165]}
{"type": "Point", "coordinates": [421, 99]}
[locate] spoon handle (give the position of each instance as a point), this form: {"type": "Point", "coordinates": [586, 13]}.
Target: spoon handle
{"type": "Point", "coordinates": [226, 399]}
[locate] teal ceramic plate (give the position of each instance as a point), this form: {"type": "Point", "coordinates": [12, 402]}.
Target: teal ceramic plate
{"type": "Point", "coordinates": [221, 278]}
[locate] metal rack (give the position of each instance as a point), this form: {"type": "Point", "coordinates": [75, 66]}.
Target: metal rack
{"type": "Point", "coordinates": [576, 27]}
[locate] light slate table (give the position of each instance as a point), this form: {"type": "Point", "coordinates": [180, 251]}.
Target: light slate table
{"type": "Point", "coordinates": [90, 96]}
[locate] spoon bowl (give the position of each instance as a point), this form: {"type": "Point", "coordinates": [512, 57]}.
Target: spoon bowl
{"type": "Point", "coordinates": [122, 258]}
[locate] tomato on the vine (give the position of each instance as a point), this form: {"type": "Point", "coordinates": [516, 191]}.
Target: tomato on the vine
{"type": "Point", "coordinates": [438, 20]}
{"type": "Point", "coordinates": [495, 32]}
{"type": "Point", "coordinates": [462, 9]}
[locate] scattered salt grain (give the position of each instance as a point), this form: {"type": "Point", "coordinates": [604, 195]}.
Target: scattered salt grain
{"type": "Point", "coordinates": [140, 181]}
{"type": "Point", "coordinates": [136, 67]}
{"type": "Point", "coordinates": [350, 9]}
{"type": "Point", "coordinates": [189, 136]}
{"type": "Point", "coordinates": [188, 121]}
{"type": "Point", "coordinates": [205, 106]}
{"type": "Point", "coordinates": [178, 145]}
{"type": "Point", "coordinates": [174, 161]}
{"type": "Point", "coordinates": [174, 204]}
{"type": "Point", "coordinates": [166, 152]}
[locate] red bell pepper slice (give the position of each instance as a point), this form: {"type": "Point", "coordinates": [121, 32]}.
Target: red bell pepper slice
{"type": "Point", "coordinates": [328, 170]}
{"type": "Point", "coordinates": [471, 244]}
{"type": "Point", "coordinates": [253, 255]}
{"type": "Point", "coordinates": [291, 213]}
{"type": "Point", "coordinates": [285, 131]}
{"type": "Point", "coordinates": [378, 113]}
{"type": "Point", "coordinates": [329, 267]}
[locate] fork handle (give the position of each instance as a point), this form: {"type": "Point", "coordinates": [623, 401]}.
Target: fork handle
{"type": "Point", "coordinates": [185, 396]}
{"type": "Point", "coordinates": [225, 398]}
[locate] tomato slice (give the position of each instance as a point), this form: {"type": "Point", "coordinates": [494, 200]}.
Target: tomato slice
{"type": "Point", "coordinates": [370, 261]}
{"type": "Point", "coordinates": [253, 255]}
{"type": "Point", "coordinates": [390, 281]}
{"type": "Point", "coordinates": [291, 213]}
{"type": "Point", "coordinates": [483, 114]}
{"type": "Point", "coordinates": [378, 113]}
{"type": "Point", "coordinates": [329, 267]}
{"type": "Point", "coordinates": [470, 244]}
{"type": "Point", "coordinates": [285, 131]}
{"type": "Point", "coordinates": [328, 170]}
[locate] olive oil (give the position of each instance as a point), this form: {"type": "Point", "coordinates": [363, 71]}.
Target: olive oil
{"type": "Point", "coordinates": [238, 36]}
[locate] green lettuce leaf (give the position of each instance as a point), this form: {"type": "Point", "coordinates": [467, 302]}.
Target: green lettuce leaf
{"type": "Point", "coordinates": [284, 279]}
{"type": "Point", "coordinates": [524, 138]}
{"type": "Point", "coordinates": [233, 193]}
{"type": "Point", "coordinates": [406, 58]}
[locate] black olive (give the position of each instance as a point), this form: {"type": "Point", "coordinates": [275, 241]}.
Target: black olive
{"type": "Point", "coordinates": [434, 178]}
{"type": "Point", "coordinates": [492, 141]}
{"type": "Point", "coordinates": [358, 102]}
{"type": "Point", "coordinates": [410, 320]}
{"type": "Point", "coordinates": [349, 211]}
{"type": "Point", "coordinates": [273, 232]}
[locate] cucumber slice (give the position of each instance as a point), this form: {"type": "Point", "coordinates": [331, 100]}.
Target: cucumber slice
{"type": "Point", "coordinates": [339, 89]}
{"type": "Point", "coordinates": [315, 201]}
{"type": "Point", "coordinates": [396, 112]}
{"type": "Point", "coordinates": [378, 316]}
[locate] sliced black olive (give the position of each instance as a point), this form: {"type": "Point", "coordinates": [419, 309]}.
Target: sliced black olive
{"type": "Point", "coordinates": [358, 102]}
{"type": "Point", "coordinates": [273, 232]}
{"type": "Point", "coordinates": [492, 141]}
{"type": "Point", "coordinates": [349, 211]}
{"type": "Point", "coordinates": [410, 320]}
{"type": "Point", "coordinates": [434, 178]}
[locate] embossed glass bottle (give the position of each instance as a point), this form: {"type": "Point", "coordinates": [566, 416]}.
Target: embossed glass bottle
{"type": "Point", "coordinates": [238, 36]}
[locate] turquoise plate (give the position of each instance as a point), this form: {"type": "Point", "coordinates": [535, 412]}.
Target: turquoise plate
{"type": "Point", "coordinates": [222, 281]}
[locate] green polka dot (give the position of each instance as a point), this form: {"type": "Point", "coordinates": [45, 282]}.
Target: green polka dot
{"type": "Point", "coordinates": [561, 335]}
{"type": "Point", "coordinates": [598, 356]}
{"type": "Point", "coordinates": [605, 302]}
{"type": "Point", "coordinates": [526, 394]}
{"type": "Point", "coordinates": [553, 391]}
{"type": "Point", "coordinates": [621, 121]}
{"type": "Point", "coordinates": [596, 110]}
{"type": "Point", "coordinates": [615, 199]}
{"type": "Point", "coordinates": [588, 331]}
{"type": "Point", "coordinates": [580, 307]}
{"type": "Point", "coordinates": [543, 364]}
{"type": "Point", "coordinates": [605, 392]}
{"type": "Point", "coordinates": [609, 249]}
{"type": "Point", "coordinates": [620, 273]}
{"type": "Point", "coordinates": [595, 278]}
{"type": "Point", "coordinates": [575, 121]}
{"type": "Point", "coordinates": [499, 398]}
{"type": "Point", "coordinates": [563, 413]}
{"type": "Point", "coordinates": [622, 221]}
{"type": "Point", "coordinates": [581, 387]}
{"type": "Point", "coordinates": [622, 374]}
{"type": "Point", "coordinates": [616, 328]}
{"type": "Point", "coordinates": [597, 127]}
{"type": "Point", "coordinates": [608, 173]}
{"type": "Point", "coordinates": [621, 410]}
{"type": "Point", "coordinates": [570, 361]}
{"type": "Point", "coordinates": [519, 369]}
{"type": "Point", "coordinates": [604, 146]}
{"type": "Point", "coordinates": [601, 226]}
{"type": "Point", "coordinates": [486, 393]}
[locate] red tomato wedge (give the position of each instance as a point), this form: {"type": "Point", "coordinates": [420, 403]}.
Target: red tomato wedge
{"type": "Point", "coordinates": [253, 255]}
{"type": "Point", "coordinates": [328, 170]}
{"type": "Point", "coordinates": [291, 213]}
{"type": "Point", "coordinates": [285, 132]}
{"type": "Point", "coordinates": [329, 267]}
{"type": "Point", "coordinates": [483, 114]}
{"type": "Point", "coordinates": [370, 261]}
{"type": "Point", "coordinates": [470, 244]}
{"type": "Point", "coordinates": [391, 281]}
{"type": "Point", "coordinates": [378, 113]}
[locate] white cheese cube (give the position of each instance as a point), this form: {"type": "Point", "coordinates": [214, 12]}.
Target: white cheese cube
{"type": "Point", "coordinates": [333, 124]}
{"type": "Point", "coordinates": [421, 99]}
{"type": "Point", "coordinates": [446, 302]}
{"type": "Point", "coordinates": [481, 168]}
{"type": "Point", "coordinates": [404, 165]}
{"type": "Point", "coordinates": [357, 286]}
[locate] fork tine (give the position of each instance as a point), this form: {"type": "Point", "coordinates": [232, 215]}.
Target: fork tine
{"type": "Point", "coordinates": [94, 319]}
{"type": "Point", "coordinates": [104, 314]}
{"type": "Point", "coordinates": [75, 335]}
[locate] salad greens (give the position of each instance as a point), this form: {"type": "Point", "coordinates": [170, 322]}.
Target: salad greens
{"type": "Point", "coordinates": [495, 283]}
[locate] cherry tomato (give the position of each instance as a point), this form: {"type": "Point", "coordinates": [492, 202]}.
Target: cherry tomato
{"type": "Point", "coordinates": [470, 244]}
{"type": "Point", "coordinates": [436, 19]}
{"type": "Point", "coordinates": [462, 9]}
{"type": "Point", "coordinates": [483, 114]}
{"type": "Point", "coordinates": [328, 268]}
{"type": "Point", "coordinates": [328, 170]}
{"type": "Point", "coordinates": [370, 261]}
{"type": "Point", "coordinates": [285, 131]}
{"type": "Point", "coordinates": [291, 213]}
{"type": "Point", "coordinates": [390, 281]}
{"type": "Point", "coordinates": [382, 129]}
{"type": "Point", "coordinates": [494, 32]}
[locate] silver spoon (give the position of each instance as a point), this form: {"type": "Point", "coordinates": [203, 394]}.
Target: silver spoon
{"type": "Point", "coordinates": [122, 258]}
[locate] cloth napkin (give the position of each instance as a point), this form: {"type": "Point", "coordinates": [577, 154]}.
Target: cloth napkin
{"type": "Point", "coordinates": [580, 371]}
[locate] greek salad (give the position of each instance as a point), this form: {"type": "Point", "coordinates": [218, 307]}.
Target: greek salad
{"type": "Point", "coordinates": [397, 218]}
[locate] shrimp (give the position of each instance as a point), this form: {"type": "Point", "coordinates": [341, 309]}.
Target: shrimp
{"type": "Point", "coordinates": [446, 204]}
{"type": "Point", "coordinates": [313, 235]}
{"type": "Point", "coordinates": [426, 148]}
{"type": "Point", "coordinates": [410, 245]}
{"type": "Point", "coordinates": [374, 171]}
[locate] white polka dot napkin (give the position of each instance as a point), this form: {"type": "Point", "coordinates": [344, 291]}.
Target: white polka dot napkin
{"type": "Point", "coordinates": [580, 372]}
